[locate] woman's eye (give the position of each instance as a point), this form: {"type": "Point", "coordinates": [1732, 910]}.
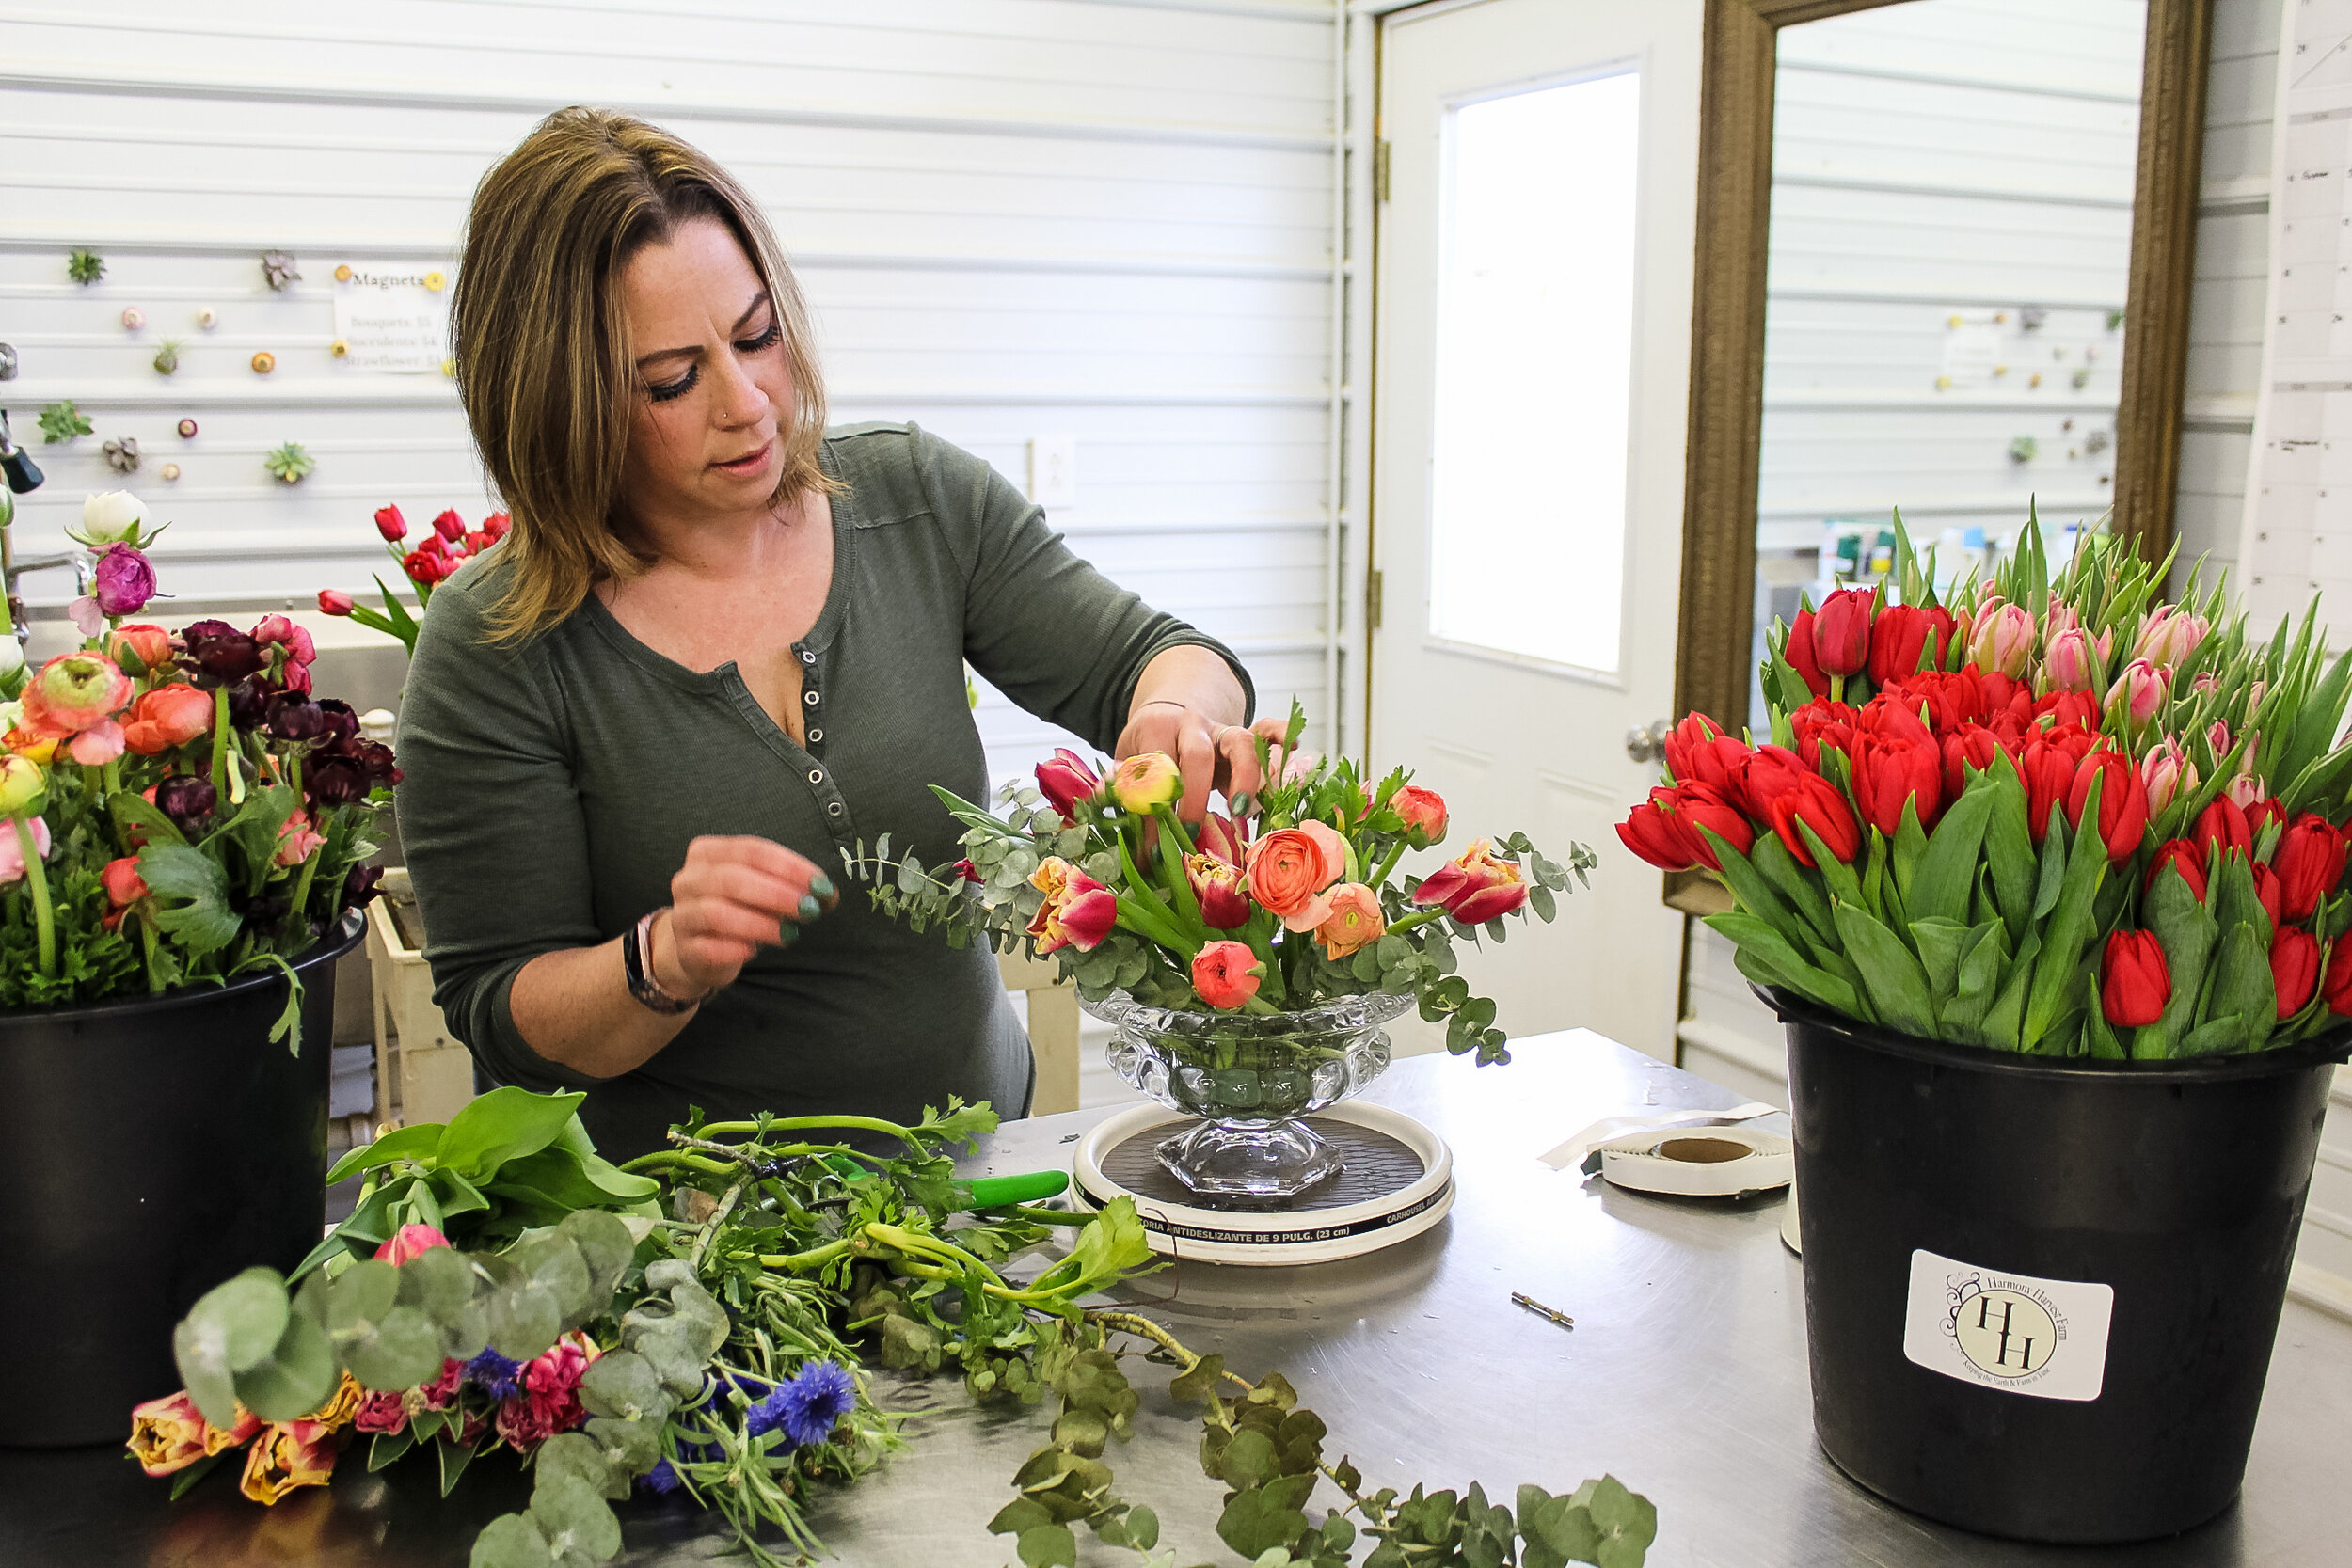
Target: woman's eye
{"type": "Point", "coordinates": [664, 391]}
{"type": "Point", "coordinates": [765, 341]}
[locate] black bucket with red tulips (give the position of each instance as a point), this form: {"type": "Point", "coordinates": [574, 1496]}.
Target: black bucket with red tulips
{"type": "Point", "coordinates": [2045, 879]}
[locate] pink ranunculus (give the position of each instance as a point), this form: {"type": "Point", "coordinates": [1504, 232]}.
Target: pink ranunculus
{"type": "Point", "coordinates": [13, 852]}
{"type": "Point", "coordinates": [274, 629]}
{"type": "Point", "coordinates": [383, 1411]}
{"type": "Point", "coordinates": [1289, 868]}
{"type": "Point", "coordinates": [1078, 911]}
{"type": "Point", "coordinates": [296, 841]}
{"type": "Point", "coordinates": [334, 601]}
{"type": "Point", "coordinates": [1475, 886]}
{"type": "Point", "coordinates": [1355, 921]}
{"type": "Point", "coordinates": [2170, 635]}
{"type": "Point", "coordinates": [98, 745]}
{"type": "Point", "coordinates": [1225, 973]}
{"type": "Point", "coordinates": [2138, 692]}
{"type": "Point", "coordinates": [408, 1242]}
{"type": "Point", "coordinates": [73, 692]}
{"type": "Point", "coordinates": [1422, 812]}
{"type": "Point", "coordinates": [391, 524]}
{"type": "Point", "coordinates": [124, 580]}
{"type": "Point", "coordinates": [1065, 779]}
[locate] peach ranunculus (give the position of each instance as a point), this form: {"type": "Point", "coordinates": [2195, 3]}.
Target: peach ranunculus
{"type": "Point", "coordinates": [1289, 868]}
{"type": "Point", "coordinates": [408, 1242]}
{"type": "Point", "coordinates": [1475, 886]}
{"type": "Point", "coordinates": [1146, 779]}
{"type": "Point", "coordinates": [297, 840]}
{"type": "Point", "coordinates": [74, 692]}
{"type": "Point", "coordinates": [146, 646]}
{"type": "Point", "coordinates": [170, 1433]}
{"type": "Point", "coordinates": [1223, 974]}
{"type": "Point", "coordinates": [286, 1455]}
{"type": "Point", "coordinates": [1078, 911]}
{"type": "Point", "coordinates": [167, 717]}
{"type": "Point", "coordinates": [1355, 921]}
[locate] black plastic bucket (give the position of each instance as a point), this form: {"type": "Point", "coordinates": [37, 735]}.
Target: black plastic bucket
{"type": "Point", "coordinates": [148, 1150]}
{"type": "Point", "coordinates": [1976, 1223]}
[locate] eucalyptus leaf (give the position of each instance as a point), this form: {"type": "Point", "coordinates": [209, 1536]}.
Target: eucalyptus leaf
{"type": "Point", "coordinates": [298, 1376]}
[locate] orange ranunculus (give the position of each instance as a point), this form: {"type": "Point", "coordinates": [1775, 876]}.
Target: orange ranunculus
{"type": "Point", "coordinates": [1289, 868]}
{"type": "Point", "coordinates": [1355, 921]}
{"type": "Point", "coordinates": [167, 717]}
{"type": "Point", "coordinates": [170, 1433]}
{"type": "Point", "coordinates": [122, 882]}
{"type": "Point", "coordinates": [149, 647]}
{"type": "Point", "coordinates": [1225, 973]}
{"type": "Point", "coordinates": [1422, 812]}
{"type": "Point", "coordinates": [286, 1455]}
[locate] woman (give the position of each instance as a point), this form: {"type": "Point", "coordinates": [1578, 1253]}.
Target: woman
{"type": "Point", "coordinates": [718, 647]}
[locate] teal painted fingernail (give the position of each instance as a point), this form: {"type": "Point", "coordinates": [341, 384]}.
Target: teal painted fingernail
{"type": "Point", "coordinates": [822, 885]}
{"type": "Point", "coordinates": [810, 908]}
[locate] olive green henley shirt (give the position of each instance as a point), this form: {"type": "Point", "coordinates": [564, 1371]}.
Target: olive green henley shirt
{"type": "Point", "coordinates": [551, 788]}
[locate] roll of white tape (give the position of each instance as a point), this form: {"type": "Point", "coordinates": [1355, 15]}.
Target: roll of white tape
{"type": "Point", "coordinates": [1713, 1162]}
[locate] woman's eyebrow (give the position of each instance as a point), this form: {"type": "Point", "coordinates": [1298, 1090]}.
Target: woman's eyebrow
{"type": "Point", "coordinates": [695, 352]}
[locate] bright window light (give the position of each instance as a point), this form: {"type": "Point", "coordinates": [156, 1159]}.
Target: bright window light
{"type": "Point", "coordinates": [1534, 371]}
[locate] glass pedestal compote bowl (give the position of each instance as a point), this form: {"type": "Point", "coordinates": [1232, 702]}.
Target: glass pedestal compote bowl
{"type": "Point", "coordinates": [1250, 1078]}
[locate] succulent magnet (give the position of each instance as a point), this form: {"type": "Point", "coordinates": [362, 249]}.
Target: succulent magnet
{"type": "Point", "coordinates": [290, 463]}
{"type": "Point", "coordinates": [207, 318]}
{"type": "Point", "coordinates": [62, 421]}
{"type": "Point", "coordinates": [434, 281]}
{"type": "Point", "coordinates": [187, 430]}
{"type": "Point", "coordinates": [84, 267]}
{"type": "Point", "coordinates": [167, 358]}
{"type": "Point", "coordinates": [277, 269]}
{"type": "Point", "coordinates": [339, 348]}
{"type": "Point", "coordinates": [122, 454]}
{"type": "Point", "coordinates": [265, 362]}
{"type": "Point", "coordinates": [133, 318]}
{"type": "Point", "coordinates": [342, 273]}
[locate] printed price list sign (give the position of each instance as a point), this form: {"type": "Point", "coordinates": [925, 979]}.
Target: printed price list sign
{"type": "Point", "coordinates": [392, 316]}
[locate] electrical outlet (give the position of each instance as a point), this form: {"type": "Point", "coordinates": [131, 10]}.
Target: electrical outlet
{"type": "Point", "coordinates": [1054, 470]}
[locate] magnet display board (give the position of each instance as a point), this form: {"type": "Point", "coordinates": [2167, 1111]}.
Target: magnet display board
{"type": "Point", "coordinates": [2297, 536]}
{"type": "Point", "coordinates": [392, 316]}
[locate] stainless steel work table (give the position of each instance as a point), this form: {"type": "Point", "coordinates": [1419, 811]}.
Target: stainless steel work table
{"type": "Point", "coordinates": [1685, 1376]}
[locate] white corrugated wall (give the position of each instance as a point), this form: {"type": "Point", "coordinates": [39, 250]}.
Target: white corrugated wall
{"type": "Point", "coordinates": [1012, 217]}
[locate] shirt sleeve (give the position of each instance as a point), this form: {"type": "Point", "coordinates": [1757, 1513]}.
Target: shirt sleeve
{"type": "Point", "coordinates": [491, 825]}
{"type": "Point", "coordinates": [1040, 624]}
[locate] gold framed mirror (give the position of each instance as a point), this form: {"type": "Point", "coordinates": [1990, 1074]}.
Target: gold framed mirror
{"type": "Point", "coordinates": [1715, 647]}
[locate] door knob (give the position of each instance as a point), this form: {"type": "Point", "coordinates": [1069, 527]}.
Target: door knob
{"type": "Point", "coordinates": [1648, 745]}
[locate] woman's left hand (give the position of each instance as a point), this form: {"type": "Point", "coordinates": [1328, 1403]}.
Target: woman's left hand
{"type": "Point", "coordinates": [1210, 754]}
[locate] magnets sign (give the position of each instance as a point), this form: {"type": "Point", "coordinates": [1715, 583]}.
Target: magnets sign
{"type": "Point", "coordinates": [392, 316]}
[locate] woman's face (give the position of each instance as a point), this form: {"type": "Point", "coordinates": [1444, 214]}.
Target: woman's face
{"type": "Point", "coordinates": [714, 386]}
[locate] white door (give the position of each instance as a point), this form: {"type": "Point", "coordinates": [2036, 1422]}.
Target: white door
{"type": "Point", "coordinates": [1534, 308]}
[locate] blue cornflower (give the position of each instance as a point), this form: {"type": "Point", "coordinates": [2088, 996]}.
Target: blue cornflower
{"type": "Point", "coordinates": [495, 1375]}
{"type": "Point", "coordinates": [809, 1406]}
{"type": "Point", "coordinates": [660, 1480]}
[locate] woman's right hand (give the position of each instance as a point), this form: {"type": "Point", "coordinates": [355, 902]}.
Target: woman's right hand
{"type": "Point", "coordinates": [733, 896]}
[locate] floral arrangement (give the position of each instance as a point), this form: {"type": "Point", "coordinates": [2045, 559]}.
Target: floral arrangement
{"type": "Point", "coordinates": [1293, 900]}
{"type": "Point", "coordinates": [447, 546]}
{"type": "Point", "coordinates": [700, 1324]}
{"type": "Point", "coordinates": [178, 808]}
{"type": "Point", "coordinates": [2047, 813]}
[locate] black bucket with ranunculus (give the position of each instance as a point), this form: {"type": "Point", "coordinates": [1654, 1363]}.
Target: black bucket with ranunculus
{"type": "Point", "coordinates": [2047, 880]}
{"type": "Point", "coordinates": [150, 1148]}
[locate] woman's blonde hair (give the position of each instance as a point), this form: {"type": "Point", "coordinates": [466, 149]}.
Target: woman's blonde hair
{"type": "Point", "coordinates": [542, 349]}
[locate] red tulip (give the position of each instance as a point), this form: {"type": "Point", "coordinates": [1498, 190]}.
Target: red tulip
{"type": "Point", "coordinates": [450, 526]}
{"type": "Point", "coordinates": [1766, 774]}
{"type": "Point", "coordinates": [2337, 987]}
{"type": "Point", "coordinates": [1890, 771]}
{"type": "Point", "coordinates": [1822, 722]}
{"type": "Point", "coordinates": [1226, 974]}
{"type": "Point", "coordinates": [1817, 803]}
{"type": "Point", "coordinates": [408, 1242]}
{"type": "Point", "coordinates": [2049, 774]}
{"type": "Point", "coordinates": [427, 567]}
{"type": "Point", "coordinates": [1650, 831]}
{"type": "Point", "coordinates": [334, 601]}
{"type": "Point", "coordinates": [2187, 857]}
{"type": "Point", "coordinates": [1901, 634]}
{"type": "Point", "coordinates": [2293, 969]}
{"type": "Point", "coordinates": [391, 524]}
{"type": "Point", "coordinates": [1064, 779]}
{"type": "Point", "coordinates": [2075, 710]}
{"type": "Point", "coordinates": [2262, 812]}
{"type": "Point", "coordinates": [1799, 653]}
{"type": "Point", "coordinates": [1842, 632]}
{"type": "Point", "coordinates": [2135, 985]}
{"type": "Point", "coordinates": [1697, 805]}
{"type": "Point", "coordinates": [2123, 801]}
{"type": "Point", "coordinates": [2223, 823]}
{"type": "Point", "coordinates": [1698, 750]}
{"type": "Point", "coordinates": [2270, 895]}
{"type": "Point", "coordinates": [1972, 745]}
{"type": "Point", "coordinates": [1475, 886]}
{"type": "Point", "coordinates": [2310, 864]}
{"type": "Point", "coordinates": [496, 525]}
